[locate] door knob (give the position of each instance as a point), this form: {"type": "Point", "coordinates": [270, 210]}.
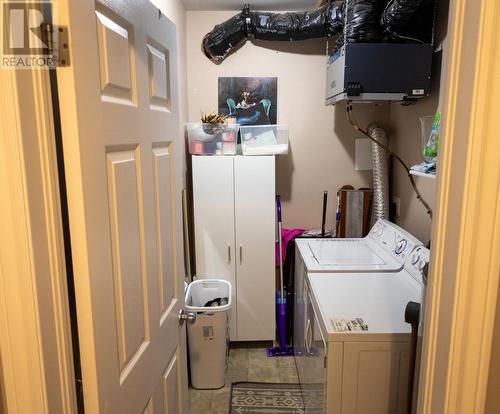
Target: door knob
{"type": "Point", "coordinates": [186, 316]}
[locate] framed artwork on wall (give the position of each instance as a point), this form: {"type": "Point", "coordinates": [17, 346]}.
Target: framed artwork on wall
{"type": "Point", "coordinates": [252, 101]}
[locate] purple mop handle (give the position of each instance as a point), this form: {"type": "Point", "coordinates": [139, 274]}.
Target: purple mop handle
{"type": "Point", "coordinates": [278, 205]}
{"type": "Point", "coordinates": [280, 245]}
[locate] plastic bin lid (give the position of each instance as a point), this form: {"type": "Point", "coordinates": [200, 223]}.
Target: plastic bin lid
{"type": "Point", "coordinates": [204, 290]}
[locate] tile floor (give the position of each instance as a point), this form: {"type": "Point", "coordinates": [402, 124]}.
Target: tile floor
{"type": "Point", "coordinates": [245, 364]}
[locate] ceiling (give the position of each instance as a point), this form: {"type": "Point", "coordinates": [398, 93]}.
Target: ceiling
{"type": "Point", "coordinates": [254, 4]}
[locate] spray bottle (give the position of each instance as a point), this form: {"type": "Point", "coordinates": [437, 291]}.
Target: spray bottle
{"type": "Point", "coordinates": [431, 148]}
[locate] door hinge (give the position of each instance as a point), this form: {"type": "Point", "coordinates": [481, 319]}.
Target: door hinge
{"type": "Point", "coordinates": [56, 38]}
{"type": "Point", "coordinates": [324, 363]}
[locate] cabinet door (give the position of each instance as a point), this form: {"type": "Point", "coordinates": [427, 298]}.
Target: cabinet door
{"type": "Point", "coordinates": [255, 244]}
{"type": "Point", "coordinates": [213, 200]}
{"type": "Point", "coordinates": [375, 379]}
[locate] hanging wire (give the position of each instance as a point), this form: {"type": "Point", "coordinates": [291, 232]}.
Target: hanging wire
{"type": "Point", "coordinates": [408, 38]}
{"type": "Point", "coordinates": [385, 147]}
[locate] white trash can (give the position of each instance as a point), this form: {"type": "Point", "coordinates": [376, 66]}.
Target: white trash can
{"type": "Point", "coordinates": [208, 336]}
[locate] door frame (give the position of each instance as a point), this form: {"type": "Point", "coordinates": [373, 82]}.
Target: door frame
{"type": "Point", "coordinates": [35, 339]}
{"type": "Point", "coordinates": [465, 266]}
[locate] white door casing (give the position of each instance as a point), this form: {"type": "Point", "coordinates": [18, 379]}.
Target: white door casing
{"type": "Point", "coordinates": [35, 338]}
{"type": "Point", "coordinates": [122, 153]}
{"type": "Point", "coordinates": [465, 266]}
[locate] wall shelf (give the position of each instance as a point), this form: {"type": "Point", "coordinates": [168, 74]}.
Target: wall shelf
{"type": "Point", "coordinates": [422, 174]}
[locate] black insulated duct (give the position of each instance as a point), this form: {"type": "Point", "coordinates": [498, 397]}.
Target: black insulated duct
{"type": "Point", "coordinates": [362, 21]}
{"type": "Point", "coordinates": [359, 21]}
{"type": "Point", "coordinates": [411, 20]}
{"type": "Point", "coordinates": [226, 37]}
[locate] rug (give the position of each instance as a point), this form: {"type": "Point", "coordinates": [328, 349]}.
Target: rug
{"type": "Point", "coordinates": [265, 398]}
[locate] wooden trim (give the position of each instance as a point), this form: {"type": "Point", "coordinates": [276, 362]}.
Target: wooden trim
{"type": "Point", "coordinates": [57, 296]}
{"type": "Point", "coordinates": [465, 256]}
{"type": "Point", "coordinates": [35, 337]}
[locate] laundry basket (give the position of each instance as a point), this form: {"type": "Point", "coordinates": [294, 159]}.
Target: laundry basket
{"type": "Point", "coordinates": [208, 336]}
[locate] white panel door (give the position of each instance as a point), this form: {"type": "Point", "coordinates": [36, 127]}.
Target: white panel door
{"type": "Point", "coordinates": [122, 153]}
{"type": "Point", "coordinates": [255, 243]}
{"type": "Point", "coordinates": [213, 200]}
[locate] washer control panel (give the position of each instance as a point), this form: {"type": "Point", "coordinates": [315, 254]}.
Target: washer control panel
{"type": "Point", "coordinates": [416, 262]}
{"type": "Point", "coordinates": [393, 239]}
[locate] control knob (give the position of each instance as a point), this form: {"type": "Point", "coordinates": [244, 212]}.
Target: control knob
{"type": "Point", "coordinates": [414, 258]}
{"type": "Point", "coordinates": [401, 246]}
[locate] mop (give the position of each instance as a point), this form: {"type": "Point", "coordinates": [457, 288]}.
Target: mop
{"type": "Point", "coordinates": [281, 306]}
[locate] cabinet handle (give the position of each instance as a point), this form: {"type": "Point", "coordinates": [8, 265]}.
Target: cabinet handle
{"type": "Point", "coordinates": [229, 253]}
{"type": "Point", "coordinates": [241, 253]}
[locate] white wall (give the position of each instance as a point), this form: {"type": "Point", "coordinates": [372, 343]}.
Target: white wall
{"type": "Point", "coordinates": [321, 141]}
{"type": "Point", "coordinates": [406, 139]}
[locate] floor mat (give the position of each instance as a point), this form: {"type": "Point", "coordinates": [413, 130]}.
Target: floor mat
{"type": "Point", "coordinates": [269, 398]}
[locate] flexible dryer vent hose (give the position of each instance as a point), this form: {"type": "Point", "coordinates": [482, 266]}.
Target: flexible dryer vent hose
{"type": "Point", "coordinates": [380, 174]}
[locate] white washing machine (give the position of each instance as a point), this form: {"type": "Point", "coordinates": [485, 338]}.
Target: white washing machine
{"type": "Point", "coordinates": [383, 249]}
{"type": "Point", "coordinates": [359, 371]}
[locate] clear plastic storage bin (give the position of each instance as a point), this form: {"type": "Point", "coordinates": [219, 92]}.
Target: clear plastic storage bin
{"type": "Point", "coordinates": [264, 139]}
{"type": "Point", "coordinates": [210, 139]}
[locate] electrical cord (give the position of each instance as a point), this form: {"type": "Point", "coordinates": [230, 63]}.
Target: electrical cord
{"type": "Point", "coordinates": [385, 147]}
{"type": "Point", "coordinates": [408, 38]}
{"type": "Point", "coordinates": [383, 21]}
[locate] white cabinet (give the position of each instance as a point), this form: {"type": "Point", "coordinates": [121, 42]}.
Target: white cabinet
{"type": "Point", "coordinates": [234, 224]}
{"type": "Point", "coordinates": [375, 377]}
{"type": "Point", "coordinates": [355, 377]}
{"type": "Point", "coordinates": [367, 377]}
